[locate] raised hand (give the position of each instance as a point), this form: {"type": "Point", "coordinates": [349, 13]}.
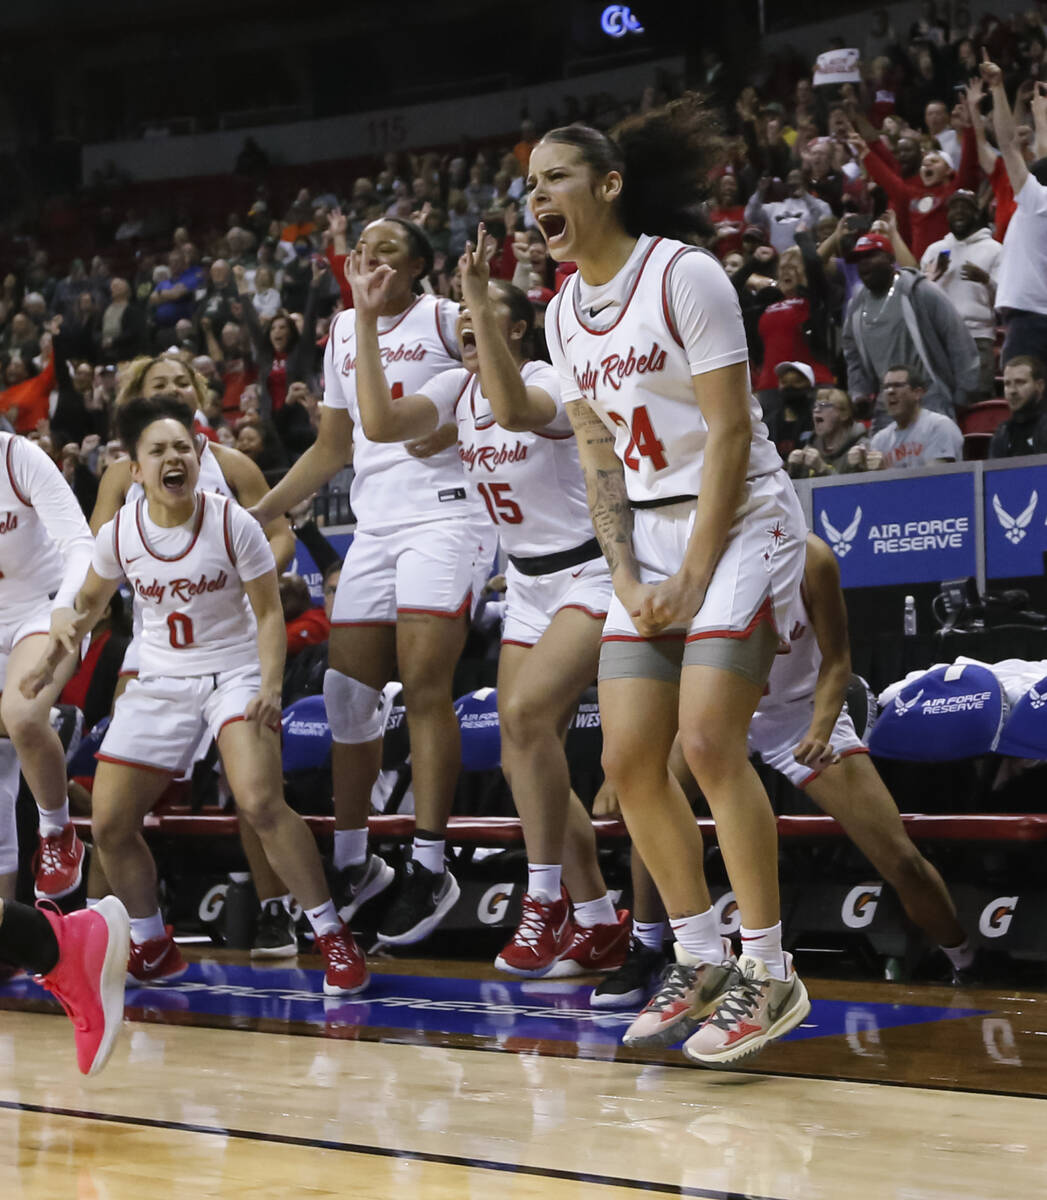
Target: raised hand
{"type": "Point", "coordinates": [371, 285]}
{"type": "Point", "coordinates": [337, 223]}
{"type": "Point", "coordinates": [990, 72]}
{"type": "Point", "coordinates": [474, 269]}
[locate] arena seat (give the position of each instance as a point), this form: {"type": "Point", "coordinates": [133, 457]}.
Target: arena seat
{"type": "Point", "coordinates": [984, 417]}
{"type": "Point", "coordinates": [944, 715]}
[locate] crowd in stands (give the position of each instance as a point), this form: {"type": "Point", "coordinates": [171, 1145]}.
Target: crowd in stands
{"type": "Point", "coordinates": [883, 219]}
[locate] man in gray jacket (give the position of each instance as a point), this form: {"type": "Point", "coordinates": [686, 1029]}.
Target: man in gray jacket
{"type": "Point", "coordinates": [898, 316]}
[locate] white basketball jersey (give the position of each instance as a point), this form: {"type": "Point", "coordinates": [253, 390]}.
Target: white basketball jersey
{"type": "Point", "coordinates": [390, 487]}
{"type": "Point", "coordinates": [194, 617]}
{"type": "Point", "coordinates": [637, 377]}
{"type": "Point", "coordinates": [30, 562]}
{"type": "Point", "coordinates": [794, 675]}
{"type": "Point", "coordinates": [531, 484]}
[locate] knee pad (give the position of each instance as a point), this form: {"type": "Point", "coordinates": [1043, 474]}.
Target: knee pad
{"type": "Point", "coordinates": [8, 799]}
{"type": "Point", "coordinates": [353, 711]}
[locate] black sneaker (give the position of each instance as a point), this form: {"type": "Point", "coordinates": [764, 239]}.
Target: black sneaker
{"type": "Point", "coordinates": [632, 984]}
{"type": "Point", "coordinates": [352, 887]}
{"type": "Point", "coordinates": [275, 935]}
{"type": "Point", "coordinates": [422, 900]}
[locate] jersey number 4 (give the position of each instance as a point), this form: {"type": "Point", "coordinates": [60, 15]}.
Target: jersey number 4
{"type": "Point", "coordinates": [643, 441]}
{"type": "Point", "coordinates": [502, 510]}
{"type": "Point", "coordinates": [180, 629]}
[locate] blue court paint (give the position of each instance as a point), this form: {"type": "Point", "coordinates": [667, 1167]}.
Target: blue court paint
{"type": "Point", "coordinates": [507, 1012]}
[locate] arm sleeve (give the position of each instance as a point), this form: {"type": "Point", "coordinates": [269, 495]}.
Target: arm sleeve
{"type": "Point", "coordinates": [707, 313]}
{"type": "Point", "coordinates": [251, 551]}
{"type": "Point", "coordinates": [968, 174]}
{"type": "Point", "coordinates": [40, 480]}
{"type": "Point", "coordinates": [946, 441]}
{"type": "Point", "coordinates": [324, 554]}
{"type": "Point", "coordinates": [335, 391]}
{"type": "Point", "coordinates": [892, 184]}
{"type": "Point", "coordinates": [443, 390]}
{"type": "Point", "coordinates": [569, 389]}
{"type": "Point", "coordinates": [104, 559]}
{"type": "Point", "coordinates": [337, 262]}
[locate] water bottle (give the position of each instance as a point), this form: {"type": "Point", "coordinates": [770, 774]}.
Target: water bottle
{"type": "Point", "coordinates": [240, 912]}
{"type": "Point", "coordinates": [909, 620]}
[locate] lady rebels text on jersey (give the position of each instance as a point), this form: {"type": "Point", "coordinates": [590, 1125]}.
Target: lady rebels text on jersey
{"type": "Point", "coordinates": [45, 544]}
{"type": "Point", "coordinates": [391, 488]}
{"type": "Point", "coordinates": [531, 484]}
{"type": "Point", "coordinates": [669, 314]}
{"type": "Point", "coordinates": [194, 617]}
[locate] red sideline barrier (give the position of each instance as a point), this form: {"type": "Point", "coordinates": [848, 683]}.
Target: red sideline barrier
{"type": "Point", "coordinates": [506, 831]}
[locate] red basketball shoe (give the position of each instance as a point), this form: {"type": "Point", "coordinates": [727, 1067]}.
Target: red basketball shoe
{"type": "Point", "coordinates": [596, 948]}
{"type": "Point", "coordinates": [157, 961]}
{"type": "Point", "coordinates": [346, 966]}
{"type": "Point", "coordinates": [88, 979]}
{"type": "Point", "coordinates": [58, 864]}
{"type": "Point", "coordinates": [541, 939]}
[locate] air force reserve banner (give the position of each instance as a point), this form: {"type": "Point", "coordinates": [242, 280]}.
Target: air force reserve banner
{"type": "Point", "coordinates": [896, 531]}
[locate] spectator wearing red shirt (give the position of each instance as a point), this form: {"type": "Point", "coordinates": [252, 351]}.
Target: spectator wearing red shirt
{"type": "Point", "coordinates": [727, 216]}
{"type": "Point", "coordinates": [924, 198]}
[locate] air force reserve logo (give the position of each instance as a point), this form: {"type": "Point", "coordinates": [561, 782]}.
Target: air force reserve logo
{"type": "Point", "coordinates": [901, 707]}
{"type": "Point", "coordinates": [841, 542]}
{"type": "Point", "coordinates": [1014, 527]}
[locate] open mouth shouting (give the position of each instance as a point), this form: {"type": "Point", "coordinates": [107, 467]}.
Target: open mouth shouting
{"type": "Point", "coordinates": [174, 479]}
{"type": "Point", "coordinates": [554, 228]}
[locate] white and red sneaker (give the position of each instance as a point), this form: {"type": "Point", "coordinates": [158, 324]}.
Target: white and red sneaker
{"type": "Point", "coordinates": [541, 939]}
{"type": "Point", "coordinates": [58, 864]}
{"type": "Point", "coordinates": [595, 948]}
{"type": "Point", "coordinates": [346, 972]}
{"type": "Point", "coordinates": [753, 1011]}
{"type": "Point", "coordinates": [88, 979]}
{"type": "Point", "coordinates": [157, 961]}
{"type": "Point", "coordinates": [689, 991]}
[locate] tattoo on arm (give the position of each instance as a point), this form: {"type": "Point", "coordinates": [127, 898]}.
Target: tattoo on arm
{"type": "Point", "coordinates": [609, 508]}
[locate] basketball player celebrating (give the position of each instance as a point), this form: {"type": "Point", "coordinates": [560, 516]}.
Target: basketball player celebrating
{"type": "Point", "coordinates": [226, 472]}
{"type": "Point", "coordinates": [419, 554]}
{"type": "Point", "coordinates": [520, 458]}
{"type": "Point", "coordinates": [205, 663]}
{"type": "Point", "coordinates": [45, 550]}
{"type": "Point", "coordinates": [81, 959]}
{"type": "Point", "coordinates": [701, 530]}
{"type": "Point", "coordinates": [802, 729]}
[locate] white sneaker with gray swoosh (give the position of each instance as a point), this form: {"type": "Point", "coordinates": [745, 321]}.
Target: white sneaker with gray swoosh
{"type": "Point", "coordinates": [754, 1010]}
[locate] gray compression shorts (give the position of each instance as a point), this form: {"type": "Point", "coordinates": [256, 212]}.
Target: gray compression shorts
{"type": "Point", "coordinates": [663, 659]}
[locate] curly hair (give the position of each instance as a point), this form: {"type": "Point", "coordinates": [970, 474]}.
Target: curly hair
{"type": "Point", "coordinates": [664, 157]}
{"type": "Point", "coordinates": [133, 378]}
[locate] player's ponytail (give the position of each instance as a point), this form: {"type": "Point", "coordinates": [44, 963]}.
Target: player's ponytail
{"type": "Point", "coordinates": [664, 157]}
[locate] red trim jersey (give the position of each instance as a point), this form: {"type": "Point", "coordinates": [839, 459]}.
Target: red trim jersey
{"type": "Point", "coordinates": [45, 543]}
{"type": "Point", "coordinates": [391, 488]}
{"type": "Point", "coordinates": [188, 582]}
{"type": "Point", "coordinates": [630, 348]}
{"type": "Point", "coordinates": [531, 484]}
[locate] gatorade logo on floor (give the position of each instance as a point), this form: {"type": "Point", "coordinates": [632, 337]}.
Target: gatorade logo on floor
{"type": "Point", "coordinates": [997, 916]}
{"type": "Point", "coordinates": [860, 905]}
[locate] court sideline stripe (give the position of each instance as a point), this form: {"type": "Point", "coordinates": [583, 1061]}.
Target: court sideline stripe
{"type": "Point", "coordinates": [453, 1160]}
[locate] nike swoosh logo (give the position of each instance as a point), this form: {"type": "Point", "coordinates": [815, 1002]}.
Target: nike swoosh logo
{"type": "Point", "coordinates": [575, 574]}
{"type": "Point", "coordinates": [135, 559]}
{"type": "Point", "coordinates": [570, 338]}
{"type": "Point", "coordinates": [776, 1013]}
{"type": "Point", "coordinates": [151, 966]}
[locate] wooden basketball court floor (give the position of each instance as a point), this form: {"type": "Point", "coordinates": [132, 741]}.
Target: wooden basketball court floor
{"type": "Point", "coordinates": [448, 1080]}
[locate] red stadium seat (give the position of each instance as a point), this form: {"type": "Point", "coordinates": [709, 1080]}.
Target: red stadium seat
{"type": "Point", "coordinates": [984, 417]}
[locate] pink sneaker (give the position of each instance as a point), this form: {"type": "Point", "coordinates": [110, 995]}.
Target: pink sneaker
{"type": "Point", "coordinates": [690, 989]}
{"type": "Point", "coordinates": [58, 864]}
{"type": "Point", "coordinates": [346, 966]}
{"type": "Point", "coordinates": [88, 979]}
{"type": "Point", "coordinates": [541, 939]}
{"type": "Point", "coordinates": [157, 961]}
{"type": "Point", "coordinates": [596, 948]}
{"type": "Point", "coordinates": [754, 1010]}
